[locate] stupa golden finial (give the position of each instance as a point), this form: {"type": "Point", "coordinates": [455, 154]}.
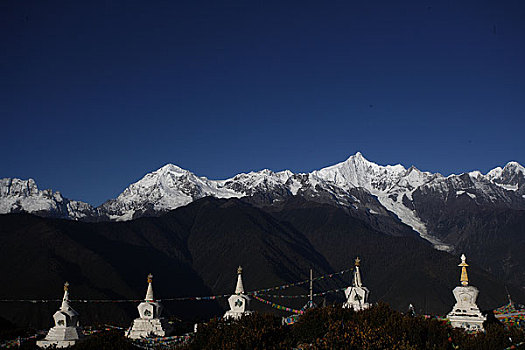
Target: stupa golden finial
{"type": "Point", "coordinates": [150, 278]}
{"type": "Point", "coordinates": [66, 286]}
{"type": "Point", "coordinates": [357, 261]}
{"type": "Point", "coordinates": [464, 275]}
{"type": "Point", "coordinates": [239, 270]}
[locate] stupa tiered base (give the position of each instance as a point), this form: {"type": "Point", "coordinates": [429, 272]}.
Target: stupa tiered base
{"type": "Point", "coordinates": [356, 306]}
{"type": "Point", "coordinates": [143, 328]}
{"type": "Point", "coordinates": [236, 315]}
{"type": "Point", "coordinates": [60, 337]}
{"type": "Point", "coordinates": [468, 322]}
{"type": "Point", "coordinates": [58, 344]}
{"type": "Point", "coordinates": [466, 313]}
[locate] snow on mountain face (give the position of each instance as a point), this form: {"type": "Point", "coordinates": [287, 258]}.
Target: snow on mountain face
{"type": "Point", "coordinates": [392, 185]}
{"type": "Point", "coordinates": [511, 177]}
{"type": "Point", "coordinates": [356, 171]}
{"type": "Point", "coordinates": [264, 180]}
{"type": "Point", "coordinates": [356, 183]}
{"type": "Point", "coordinates": [167, 188]}
{"type": "Point", "coordinates": [171, 187]}
{"type": "Point", "coordinates": [18, 195]}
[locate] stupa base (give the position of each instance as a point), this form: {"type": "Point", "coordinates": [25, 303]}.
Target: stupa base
{"type": "Point", "coordinates": [143, 328]}
{"type": "Point", "coordinates": [473, 323]}
{"type": "Point", "coordinates": [60, 337]}
{"type": "Point", "coordinates": [236, 315]}
{"type": "Point", "coordinates": [58, 344]}
{"type": "Point", "coordinates": [356, 307]}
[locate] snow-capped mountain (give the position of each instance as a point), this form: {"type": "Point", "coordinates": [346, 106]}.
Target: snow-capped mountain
{"type": "Point", "coordinates": [392, 185]}
{"type": "Point", "coordinates": [382, 196]}
{"type": "Point", "coordinates": [171, 187]}
{"type": "Point", "coordinates": [165, 189]}
{"type": "Point", "coordinates": [410, 193]}
{"type": "Point", "coordinates": [358, 184]}
{"type": "Point", "coordinates": [24, 196]}
{"type": "Point", "coordinates": [511, 177]}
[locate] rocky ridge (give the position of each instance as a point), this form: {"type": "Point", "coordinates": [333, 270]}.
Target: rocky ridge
{"type": "Point", "coordinates": [380, 195]}
{"type": "Point", "coordinates": [18, 195]}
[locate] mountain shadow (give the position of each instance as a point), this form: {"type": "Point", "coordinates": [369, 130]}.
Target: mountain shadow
{"type": "Point", "coordinates": [195, 251]}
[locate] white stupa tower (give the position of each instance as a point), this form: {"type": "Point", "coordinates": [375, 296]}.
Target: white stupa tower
{"type": "Point", "coordinates": [356, 295]}
{"type": "Point", "coordinates": [65, 333]}
{"type": "Point", "coordinates": [465, 313]}
{"type": "Point", "coordinates": [239, 302]}
{"type": "Point", "coordinates": [149, 323]}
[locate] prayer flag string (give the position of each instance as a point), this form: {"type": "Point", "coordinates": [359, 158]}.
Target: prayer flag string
{"type": "Point", "coordinates": [279, 307]}
{"type": "Point", "coordinates": [302, 295]}
{"type": "Point", "coordinates": [195, 298]}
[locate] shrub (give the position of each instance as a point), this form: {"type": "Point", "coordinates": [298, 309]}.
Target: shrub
{"type": "Point", "coordinates": [255, 331]}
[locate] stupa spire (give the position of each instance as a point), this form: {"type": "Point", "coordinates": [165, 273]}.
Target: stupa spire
{"type": "Point", "coordinates": [357, 274]}
{"type": "Point", "coordinates": [65, 299]}
{"type": "Point", "coordinates": [464, 275]}
{"type": "Point", "coordinates": [149, 292]}
{"type": "Point", "coordinates": [239, 288]}
{"type": "Point", "coordinates": [508, 295]}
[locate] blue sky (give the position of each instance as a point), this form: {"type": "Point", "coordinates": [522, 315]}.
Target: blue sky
{"type": "Point", "coordinates": [95, 94]}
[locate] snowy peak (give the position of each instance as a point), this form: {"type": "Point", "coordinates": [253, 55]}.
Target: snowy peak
{"type": "Point", "coordinates": [357, 171]}
{"type": "Point", "coordinates": [414, 178]}
{"type": "Point", "coordinates": [171, 168]}
{"type": "Point", "coordinates": [174, 169]}
{"type": "Point", "coordinates": [17, 195]}
{"type": "Point", "coordinates": [511, 177]}
{"type": "Point", "coordinates": [170, 178]}
{"type": "Point", "coordinates": [170, 187]}
{"type": "Point", "coordinates": [393, 185]}
{"type": "Point", "coordinates": [264, 179]}
{"type": "Point", "coordinates": [166, 188]}
{"type": "Point", "coordinates": [13, 187]}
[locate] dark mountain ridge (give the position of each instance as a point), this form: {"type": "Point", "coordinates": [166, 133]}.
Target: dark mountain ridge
{"type": "Point", "coordinates": [195, 250]}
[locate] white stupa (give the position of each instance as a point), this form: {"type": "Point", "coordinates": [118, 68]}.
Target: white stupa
{"type": "Point", "coordinates": [465, 313]}
{"type": "Point", "coordinates": [356, 295]}
{"type": "Point", "coordinates": [149, 324]}
{"type": "Point", "coordinates": [239, 302]}
{"type": "Point", "coordinates": [65, 333]}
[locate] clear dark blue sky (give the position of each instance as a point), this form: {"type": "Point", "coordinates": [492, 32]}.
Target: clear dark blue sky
{"type": "Point", "coordinates": [94, 94]}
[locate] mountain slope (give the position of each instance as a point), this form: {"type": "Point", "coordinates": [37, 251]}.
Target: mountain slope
{"type": "Point", "coordinates": [195, 250]}
{"type": "Point", "coordinates": [398, 270]}
{"type": "Point", "coordinates": [101, 261]}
